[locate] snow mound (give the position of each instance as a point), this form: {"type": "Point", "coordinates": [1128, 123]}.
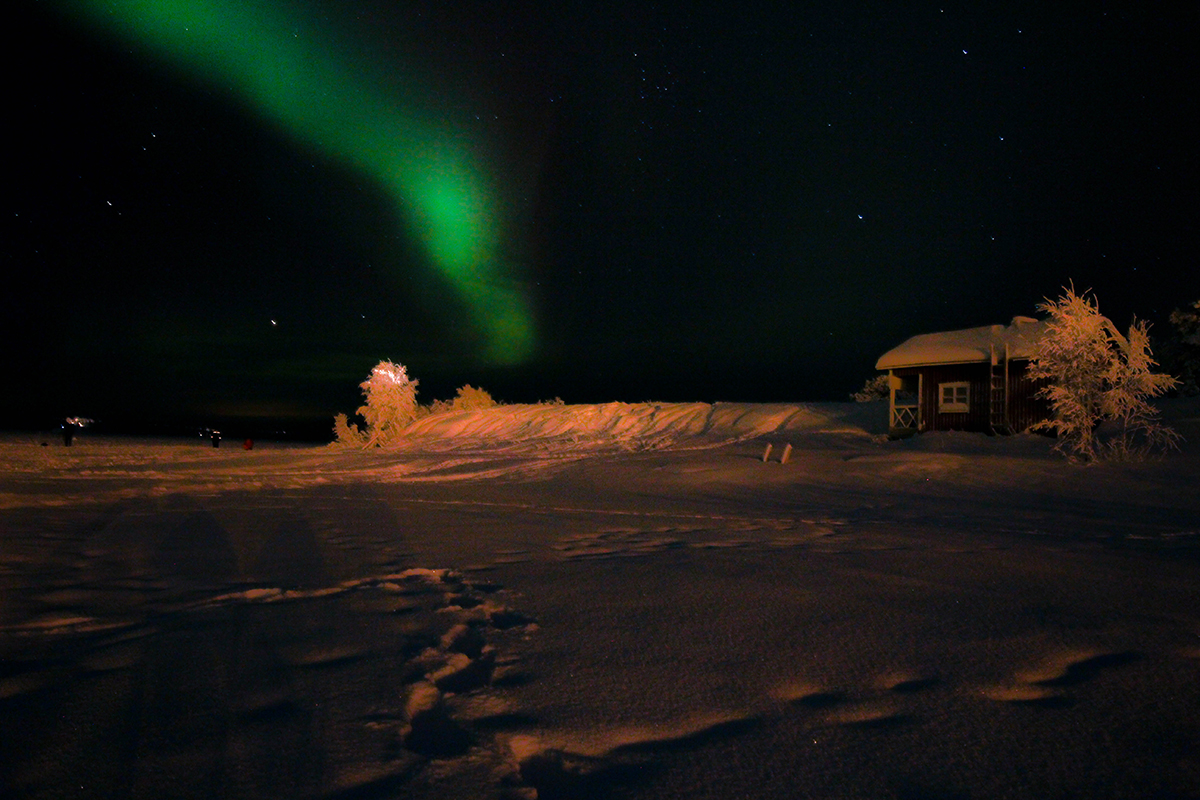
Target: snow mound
{"type": "Point", "coordinates": [632, 426]}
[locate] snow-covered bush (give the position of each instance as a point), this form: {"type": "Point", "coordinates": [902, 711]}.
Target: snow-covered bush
{"type": "Point", "coordinates": [1095, 374]}
{"type": "Point", "coordinates": [346, 433]}
{"type": "Point", "coordinates": [466, 398]}
{"type": "Point", "coordinates": [874, 389]}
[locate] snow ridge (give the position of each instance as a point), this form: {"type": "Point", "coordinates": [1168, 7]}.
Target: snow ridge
{"type": "Point", "coordinates": [622, 426]}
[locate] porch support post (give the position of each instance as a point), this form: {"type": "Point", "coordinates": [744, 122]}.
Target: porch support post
{"type": "Point", "coordinates": [920, 401]}
{"type": "Point", "coordinates": [891, 400]}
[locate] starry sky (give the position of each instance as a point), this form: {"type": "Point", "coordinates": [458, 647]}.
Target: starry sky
{"type": "Point", "coordinates": [227, 212]}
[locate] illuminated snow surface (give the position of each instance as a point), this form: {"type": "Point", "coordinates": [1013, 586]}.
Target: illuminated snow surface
{"type": "Point", "coordinates": [601, 602]}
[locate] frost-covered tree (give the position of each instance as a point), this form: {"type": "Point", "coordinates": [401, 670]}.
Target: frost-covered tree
{"type": "Point", "coordinates": [1129, 382]}
{"type": "Point", "coordinates": [1182, 350]}
{"type": "Point", "coordinates": [391, 402]}
{"type": "Point", "coordinates": [1073, 356]}
{"type": "Point", "coordinates": [391, 405]}
{"type": "Point", "coordinates": [1094, 374]}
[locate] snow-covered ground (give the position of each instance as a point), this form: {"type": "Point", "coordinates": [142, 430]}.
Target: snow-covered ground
{"type": "Point", "coordinates": [601, 601]}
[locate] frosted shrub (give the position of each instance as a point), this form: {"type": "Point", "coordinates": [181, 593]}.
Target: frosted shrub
{"type": "Point", "coordinates": [346, 433]}
{"type": "Point", "coordinates": [468, 398]}
{"type": "Point", "coordinates": [874, 389]}
{"type": "Point", "coordinates": [1095, 374]}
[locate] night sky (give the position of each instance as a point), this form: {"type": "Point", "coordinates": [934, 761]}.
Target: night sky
{"type": "Point", "coordinates": [227, 212]}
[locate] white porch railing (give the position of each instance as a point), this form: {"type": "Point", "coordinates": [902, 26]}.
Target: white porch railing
{"type": "Point", "coordinates": [904, 417]}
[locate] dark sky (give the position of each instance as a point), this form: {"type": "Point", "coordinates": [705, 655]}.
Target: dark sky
{"type": "Point", "coordinates": [718, 203]}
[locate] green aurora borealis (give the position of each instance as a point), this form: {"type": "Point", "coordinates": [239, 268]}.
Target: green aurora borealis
{"type": "Point", "coordinates": [303, 79]}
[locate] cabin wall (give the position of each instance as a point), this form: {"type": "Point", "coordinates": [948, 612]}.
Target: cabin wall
{"type": "Point", "coordinates": [1024, 406]}
{"type": "Point", "coordinates": [976, 419]}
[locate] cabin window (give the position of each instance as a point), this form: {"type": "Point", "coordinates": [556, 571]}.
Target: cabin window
{"type": "Point", "coordinates": [954, 397]}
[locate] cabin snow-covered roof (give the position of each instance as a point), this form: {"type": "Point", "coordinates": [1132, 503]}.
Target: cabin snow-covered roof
{"type": "Point", "coordinates": [969, 346]}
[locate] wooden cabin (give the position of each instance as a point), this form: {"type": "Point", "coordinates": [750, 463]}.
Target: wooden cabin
{"type": "Point", "coordinates": [969, 380]}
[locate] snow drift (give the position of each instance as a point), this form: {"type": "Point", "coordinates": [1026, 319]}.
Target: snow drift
{"type": "Point", "coordinates": [634, 426]}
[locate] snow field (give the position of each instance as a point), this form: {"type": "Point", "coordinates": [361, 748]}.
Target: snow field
{"type": "Point", "coordinates": [953, 615]}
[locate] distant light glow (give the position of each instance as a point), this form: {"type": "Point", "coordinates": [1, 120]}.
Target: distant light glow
{"type": "Point", "coordinates": [273, 59]}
